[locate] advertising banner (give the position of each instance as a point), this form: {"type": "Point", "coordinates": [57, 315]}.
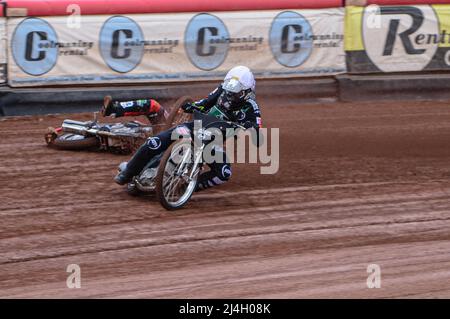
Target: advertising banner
{"type": "Point", "coordinates": [397, 38]}
{"type": "Point", "coordinates": [3, 46]}
{"type": "Point", "coordinates": [174, 47]}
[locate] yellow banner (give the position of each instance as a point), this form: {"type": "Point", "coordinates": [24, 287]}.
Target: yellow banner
{"type": "Point", "coordinates": [397, 38]}
{"type": "Point", "coordinates": [353, 37]}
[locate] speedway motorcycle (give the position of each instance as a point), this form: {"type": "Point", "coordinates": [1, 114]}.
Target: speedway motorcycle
{"type": "Point", "coordinates": [121, 138]}
{"type": "Point", "coordinates": [173, 174]}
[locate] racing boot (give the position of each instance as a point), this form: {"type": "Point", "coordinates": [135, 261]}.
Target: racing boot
{"type": "Point", "coordinates": [108, 107]}
{"type": "Point", "coordinates": [123, 178]}
{"type": "Point", "coordinates": [134, 166]}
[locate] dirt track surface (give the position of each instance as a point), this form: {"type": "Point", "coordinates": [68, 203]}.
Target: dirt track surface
{"type": "Point", "coordinates": [358, 185]}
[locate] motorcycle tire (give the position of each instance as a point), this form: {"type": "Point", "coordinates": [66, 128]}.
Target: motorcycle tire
{"type": "Point", "coordinates": [177, 116]}
{"type": "Point", "coordinates": [70, 141]}
{"type": "Point", "coordinates": [160, 182]}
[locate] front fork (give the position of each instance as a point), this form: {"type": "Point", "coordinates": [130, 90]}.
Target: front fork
{"type": "Point", "coordinates": [198, 161]}
{"type": "Point", "coordinates": [182, 170]}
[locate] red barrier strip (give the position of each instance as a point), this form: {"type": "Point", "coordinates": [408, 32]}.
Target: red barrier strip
{"type": "Point", "coordinates": [2, 8]}
{"type": "Point", "coordinates": [109, 7]}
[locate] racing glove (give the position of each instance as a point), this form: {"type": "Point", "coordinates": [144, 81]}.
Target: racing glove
{"type": "Point", "coordinates": [257, 139]}
{"type": "Point", "coordinates": [249, 125]}
{"type": "Point", "coordinates": [189, 107]}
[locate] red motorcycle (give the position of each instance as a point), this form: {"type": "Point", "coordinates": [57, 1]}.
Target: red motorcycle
{"type": "Point", "coordinates": [121, 138]}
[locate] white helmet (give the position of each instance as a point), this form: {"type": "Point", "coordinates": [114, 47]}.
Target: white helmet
{"type": "Point", "coordinates": [239, 84]}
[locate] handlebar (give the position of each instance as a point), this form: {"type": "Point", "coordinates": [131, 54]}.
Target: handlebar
{"type": "Point", "coordinates": [210, 121]}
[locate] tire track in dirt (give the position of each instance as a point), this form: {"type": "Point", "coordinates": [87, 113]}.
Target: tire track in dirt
{"type": "Point", "coordinates": [358, 184]}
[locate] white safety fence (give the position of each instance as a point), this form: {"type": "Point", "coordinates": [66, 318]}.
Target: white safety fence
{"type": "Point", "coordinates": [173, 47]}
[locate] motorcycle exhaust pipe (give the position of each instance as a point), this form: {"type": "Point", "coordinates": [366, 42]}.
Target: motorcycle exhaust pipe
{"type": "Point", "coordinates": [80, 129]}
{"type": "Point", "coordinates": [73, 127]}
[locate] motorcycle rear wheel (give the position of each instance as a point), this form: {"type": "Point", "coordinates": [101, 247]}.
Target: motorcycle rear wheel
{"type": "Point", "coordinates": [177, 116]}
{"type": "Point", "coordinates": [70, 141]}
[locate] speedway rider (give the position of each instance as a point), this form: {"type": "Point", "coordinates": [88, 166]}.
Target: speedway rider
{"type": "Point", "coordinates": [233, 100]}
{"type": "Point", "coordinates": [154, 111]}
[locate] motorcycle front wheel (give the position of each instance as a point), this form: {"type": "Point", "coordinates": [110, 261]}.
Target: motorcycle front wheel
{"type": "Point", "coordinates": [177, 176]}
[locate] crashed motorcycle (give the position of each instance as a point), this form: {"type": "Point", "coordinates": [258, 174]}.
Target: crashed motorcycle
{"type": "Point", "coordinates": [173, 174]}
{"type": "Point", "coordinates": [120, 138]}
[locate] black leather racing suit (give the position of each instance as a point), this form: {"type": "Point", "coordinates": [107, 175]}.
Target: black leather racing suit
{"type": "Point", "coordinates": [155, 112]}
{"type": "Point", "coordinates": [246, 114]}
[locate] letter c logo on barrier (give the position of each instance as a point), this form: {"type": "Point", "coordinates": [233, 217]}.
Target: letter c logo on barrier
{"type": "Point", "coordinates": [206, 41]}
{"type": "Point", "coordinates": [447, 58]}
{"type": "Point", "coordinates": [121, 44]}
{"type": "Point", "coordinates": [34, 46]}
{"type": "Point", "coordinates": [290, 39]}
